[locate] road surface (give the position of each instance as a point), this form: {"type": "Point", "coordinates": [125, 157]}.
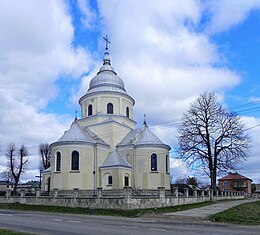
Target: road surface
{"type": "Point", "coordinates": [62, 224]}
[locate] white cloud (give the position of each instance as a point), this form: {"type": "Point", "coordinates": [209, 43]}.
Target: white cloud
{"type": "Point", "coordinates": [226, 14]}
{"type": "Point", "coordinates": [251, 167]}
{"type": "Point", "coordinates": [89, 15]}
{"type": "Point", "coordinates": [36, 50]}
{"type": "Point", "coordinates": [156, 49]}
{"type": "Point", "coordinates": [155, 45]}
{"type": "Point", "coordinates": [164, 60]}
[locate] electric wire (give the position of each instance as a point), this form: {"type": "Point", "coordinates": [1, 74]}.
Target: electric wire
{"type": "Point", "coordinates": [173, 123]}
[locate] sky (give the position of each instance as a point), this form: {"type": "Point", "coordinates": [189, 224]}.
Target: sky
{"type": "Point", "coordinates": [167, 52]}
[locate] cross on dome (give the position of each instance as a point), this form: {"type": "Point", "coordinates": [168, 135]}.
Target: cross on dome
{"type": "Point", "coordinates": [145, 123]}
{"type": "Point", "coordinates": [76, 115]}
{"type": "Point", "coordinates": [107, 41]}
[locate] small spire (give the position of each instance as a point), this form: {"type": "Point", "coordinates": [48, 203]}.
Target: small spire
{"type": "Point", "coordinates": [76, 115]}
{"type": "Point", "coordinates": [145, 123]}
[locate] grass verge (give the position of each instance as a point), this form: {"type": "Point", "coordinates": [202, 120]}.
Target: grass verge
{"type": "Point", "coordinates": [246, 214]}
{"type": "Point", "coordinates": [110, 212]}
{"type": "Point", "coordinates": [9, 232]}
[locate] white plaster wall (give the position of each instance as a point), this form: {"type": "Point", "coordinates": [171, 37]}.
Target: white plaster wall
{"type": "Point", "coordinates": [112, 133]}
{"type": "Point", "coordinates": [67, 179]}
{"type": "Point", "coordinates": [100, 101]}
{"type": "Point", "coordinates": [144, 178]}
{"type": "Point", "coordinates": [118, 175]}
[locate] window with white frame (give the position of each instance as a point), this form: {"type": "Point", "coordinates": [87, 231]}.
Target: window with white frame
{"type": "Point", "coordinates": [75, 161]}
{"type": "Point", "coordinates": [58, 161]}
{"type": "Point", "coordinates": [153, 162]}
{"type": "Point", "coordinates": [109, 180]}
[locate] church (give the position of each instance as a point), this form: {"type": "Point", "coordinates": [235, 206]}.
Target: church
{"type": "Point", "coordinates": [103, 148]}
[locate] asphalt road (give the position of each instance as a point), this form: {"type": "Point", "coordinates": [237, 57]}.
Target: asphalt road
{"type": "Point", "coordinates": [49, 223]}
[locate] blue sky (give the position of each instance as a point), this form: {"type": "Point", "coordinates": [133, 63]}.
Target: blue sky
{"type": "Point", "coordinates": [167, 52]}
{"type": "Point", "coordinates": [240, 45]}
{"type": "Point", "coordinates": [237, 45]}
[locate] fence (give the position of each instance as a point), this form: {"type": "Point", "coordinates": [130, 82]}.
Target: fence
{"type": "Point", "coordinates": [127, 198]}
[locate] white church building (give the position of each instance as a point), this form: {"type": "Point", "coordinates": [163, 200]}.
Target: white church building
{"type": "Point", "coordinates": [103, 149]}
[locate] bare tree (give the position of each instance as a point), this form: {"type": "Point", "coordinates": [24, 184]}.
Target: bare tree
{"type": "Point", "coordinates": [189, 180]}
{"type": "Point", "coordinates": [192, 181]}
{"type": "Point", "coordinates": [7, 175]}
{"type": "Point", "coordinates": [17, 160]}
{"type": "Point", "coordinates": [180, 180]}
{"type": "Point", "coordinates": [45, 154]}
{"type": "Point", "coordinates": [211, 138]}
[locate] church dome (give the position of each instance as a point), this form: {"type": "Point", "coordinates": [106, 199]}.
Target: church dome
{"type": "Point", "coordinates": [106, 79]}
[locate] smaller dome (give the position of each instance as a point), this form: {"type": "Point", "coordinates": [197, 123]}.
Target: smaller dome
{"type": "Point", "coordinates": [106, 78]}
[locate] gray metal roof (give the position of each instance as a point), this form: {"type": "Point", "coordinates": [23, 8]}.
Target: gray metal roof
{"type": "Point", "coordinates": [114, 159]}
{"type": "Point", "coordinates": [6, 182]}
{"type": "Point", "coordinates": [147, 137]}
{"type": "Point", "coordinates": [46, 170]}
{"type": "Point", "coordinates": [77, 134]}
{"type": "Point", "coordinates": [142, 136]}
{"type": "Point", "coordinates": [94, 137]}
{"type": "Point", "coordinates": [106, 79]}
{"type": "Point", "coordinates": [131, 137]}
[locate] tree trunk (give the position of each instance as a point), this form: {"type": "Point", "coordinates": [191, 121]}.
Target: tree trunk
{"type": "Point", "coordinates": [214, 181]}
{"type": "Point", "coordinates": [15, 186]}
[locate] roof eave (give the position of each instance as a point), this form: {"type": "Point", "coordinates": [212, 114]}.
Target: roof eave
{"type": "Point", "coordinates": [165, 146]}
{"type": "Point", "coordinates": [100, 92]}
{"type": "Point", "coordinates": [115, 166]}
{"type": "Point", "coordinates": [58, 143]}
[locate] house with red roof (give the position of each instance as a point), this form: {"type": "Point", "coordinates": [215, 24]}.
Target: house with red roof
{"type": "Point", "coordinates": [235, 182]}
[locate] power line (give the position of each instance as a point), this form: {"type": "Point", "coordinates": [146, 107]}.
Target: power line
{"type": "Point", "coordinates": [245, 104]}
{"type": "Point", "coordinates": [242, 108]}
{"type": "Point", "coordinates": [252, 127]}
{"type": "Point", "coordinates": [246, 108]}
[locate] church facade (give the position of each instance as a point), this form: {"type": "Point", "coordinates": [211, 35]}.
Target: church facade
{"type": "Point", "coordinates": [104, 148]}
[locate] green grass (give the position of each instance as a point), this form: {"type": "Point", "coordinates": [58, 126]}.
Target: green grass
{"type": "Point", "coordinates": [9, 232]}
{"type": "Point", "coordinates": [110, 212]}
{"type": "Point", "coordinates": [246, 214]}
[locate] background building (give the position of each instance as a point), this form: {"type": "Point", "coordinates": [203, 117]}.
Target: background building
{"type": "Point", "coordinates": [235, 181]}
{"type": "Point", "coordinates": [6, 185]}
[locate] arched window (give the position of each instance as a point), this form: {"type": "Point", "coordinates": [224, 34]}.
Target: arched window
{"type": "Point", "coordinates": [110, 180]}
{"type": "Point", "coordinates": [109, 108]}
{"type": "Point", "coordinates": [127, 112]}
{"type": "Point", "coordinates": [167, 163]}
{"type": "Point", "coordinates": [58, 161]}
{"type": "Point", "coordinates": [126, 181]}
{"type": "Point", "coordinates": [90, 110]}
{"type": "Point", "coordinates": [75, 161]}
{"type": "Point", "coordinates": [48, 185]}
{"type": "Point", "coordinates": [154, 162]}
